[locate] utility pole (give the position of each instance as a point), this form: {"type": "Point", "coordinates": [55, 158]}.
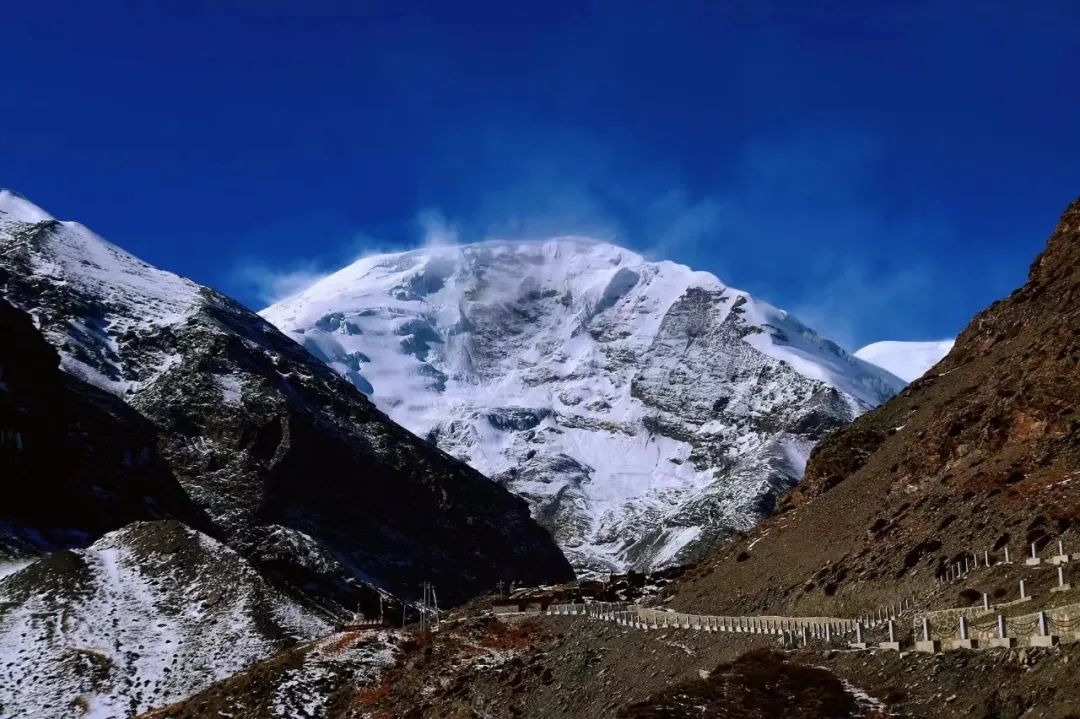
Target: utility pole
{"type": "Point", "coordinates": [429, 608]}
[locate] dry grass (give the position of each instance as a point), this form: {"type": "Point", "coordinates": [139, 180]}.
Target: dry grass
{"type": "Point", "coordinates": [505, 636]}
{"type": "Point", "coordinates": [758, 685]}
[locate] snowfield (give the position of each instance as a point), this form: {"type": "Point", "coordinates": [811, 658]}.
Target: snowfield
{"type": "Point", "coordinates": [640, 407]}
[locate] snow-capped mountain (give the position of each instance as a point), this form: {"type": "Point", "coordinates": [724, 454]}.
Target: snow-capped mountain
{"type": "Point", "coordinates": [291, 465]}
{"type": "Point", "coordinates": [907, 360]}
{"type": "Point", "coordinates": [641, 408]}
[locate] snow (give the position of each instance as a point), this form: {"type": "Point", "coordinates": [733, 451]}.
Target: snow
{"type": "Point", "coordinates": [9, 568]}
{"type": "Point", "coordinates": [528, 361]}
{"type": "Point", "coordinates": [125, 297]}
{"type": "Point", "coordinates": [17, 207]}
{"type": "Point", "coordinates": [232, 389]}
{"type": "Point", "coordinates": [134, 634]}
{"type": "Point", "coordinates": [301, 694]}
{"type": "Point", "coordinates": [906, 360]}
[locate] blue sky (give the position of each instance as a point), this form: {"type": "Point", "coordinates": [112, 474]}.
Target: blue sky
{"type": "Point", "coordinates": [882, 170]}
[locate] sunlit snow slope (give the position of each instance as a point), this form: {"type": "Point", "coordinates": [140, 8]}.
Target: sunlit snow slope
{"type": "Point", "coordinates": [907, 360]}
{"type": "Point", "coordinates": [641, 407]}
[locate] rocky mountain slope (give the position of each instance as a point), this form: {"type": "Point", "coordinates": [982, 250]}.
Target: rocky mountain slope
{"type": "Point", "coordinates": [907, 360]}
{"type": "Point", "coordinates": [643, 409]}
{"type": "Point", "coordinates": [76, 462]}
{"type": "Point", "coordinates": [294, 468]}
{"type": "Point", "coordinates": [981, 453]}
{"type": "Point", "coordinates": [144, 616]}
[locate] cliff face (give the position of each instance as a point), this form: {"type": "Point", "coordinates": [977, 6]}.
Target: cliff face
{"type": "Point", "coordinates": [982, 453]}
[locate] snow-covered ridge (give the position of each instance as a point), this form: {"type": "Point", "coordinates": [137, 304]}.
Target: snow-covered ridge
{"type": "Point", "coordinates": [128, 296]}
{"type": "Point", "coordinates": [906, 360]}
{"type": "Point", "coordinates": [641, 407]}
{"type": "Point", "coordinates": [14, 206]}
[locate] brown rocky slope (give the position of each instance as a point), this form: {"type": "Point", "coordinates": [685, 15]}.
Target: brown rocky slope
{"type": "Point", "coordinates": [981, 453]}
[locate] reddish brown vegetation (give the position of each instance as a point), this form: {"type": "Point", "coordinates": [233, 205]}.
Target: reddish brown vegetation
{"type": "Point", "coordinates": [758, 685]}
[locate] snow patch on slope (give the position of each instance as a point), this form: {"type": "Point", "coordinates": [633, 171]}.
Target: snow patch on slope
{"type": "Point", "coordinates": [16, 207]}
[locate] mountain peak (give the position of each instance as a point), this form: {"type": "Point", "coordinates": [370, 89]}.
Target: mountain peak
{"type": "Point", "coordinates": [19, 208]}
{"type": "Point", "coordinates": [641, 407]}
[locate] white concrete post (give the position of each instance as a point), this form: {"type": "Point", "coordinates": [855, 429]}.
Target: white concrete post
{"type": "Point", "coordinates": [1061, 548]}
{"type": "Point", "coordinates": [1001, 626]}
{"type": "Point", "coordinates": [986, 557]}
{"type": "Point", "coordinates": [1034, 554]}
{"type": "Point", "coordinates": [1023, 593]}
{"type": "Point", "coordinates": [986, 601]}
{"type": "Point", "coordinates": [892, 631]}
{"type": "Point", "coordinates": [963, 627]}
{"type": "Point", "coordinates": [1007, 560]}
{"type": "Point", "coordinates": [828, 634]}
{"type": "Point", "coordinates": [966, 567]}
{"type": "Point", "coordinates": [1061, 576]}
{"type": "Point", "coordinates": [926, 629]}
{"type": "Point", "coordinates": [805, 635]}
{"type": "Point", "coordinates": [1042, 624]}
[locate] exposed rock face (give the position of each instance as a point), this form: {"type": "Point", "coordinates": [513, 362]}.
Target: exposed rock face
{"type": "Point", "coordinates": [641, 408]}
{"type": "Point", "coordinates": [76, 461]}
{"type": "Point", "coordinates": [294, 466]}
{"type": "Point", "coordinates": [146, 615]}
{"type": "Point", "coordinates": [981, 453]}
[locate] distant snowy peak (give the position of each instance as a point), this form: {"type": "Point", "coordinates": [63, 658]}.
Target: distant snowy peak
{"type": "Point", "coordinates": [906, 360]}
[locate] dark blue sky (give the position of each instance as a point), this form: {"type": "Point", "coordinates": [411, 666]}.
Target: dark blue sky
{"type": "Point", "coordinates": [883, 171]}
